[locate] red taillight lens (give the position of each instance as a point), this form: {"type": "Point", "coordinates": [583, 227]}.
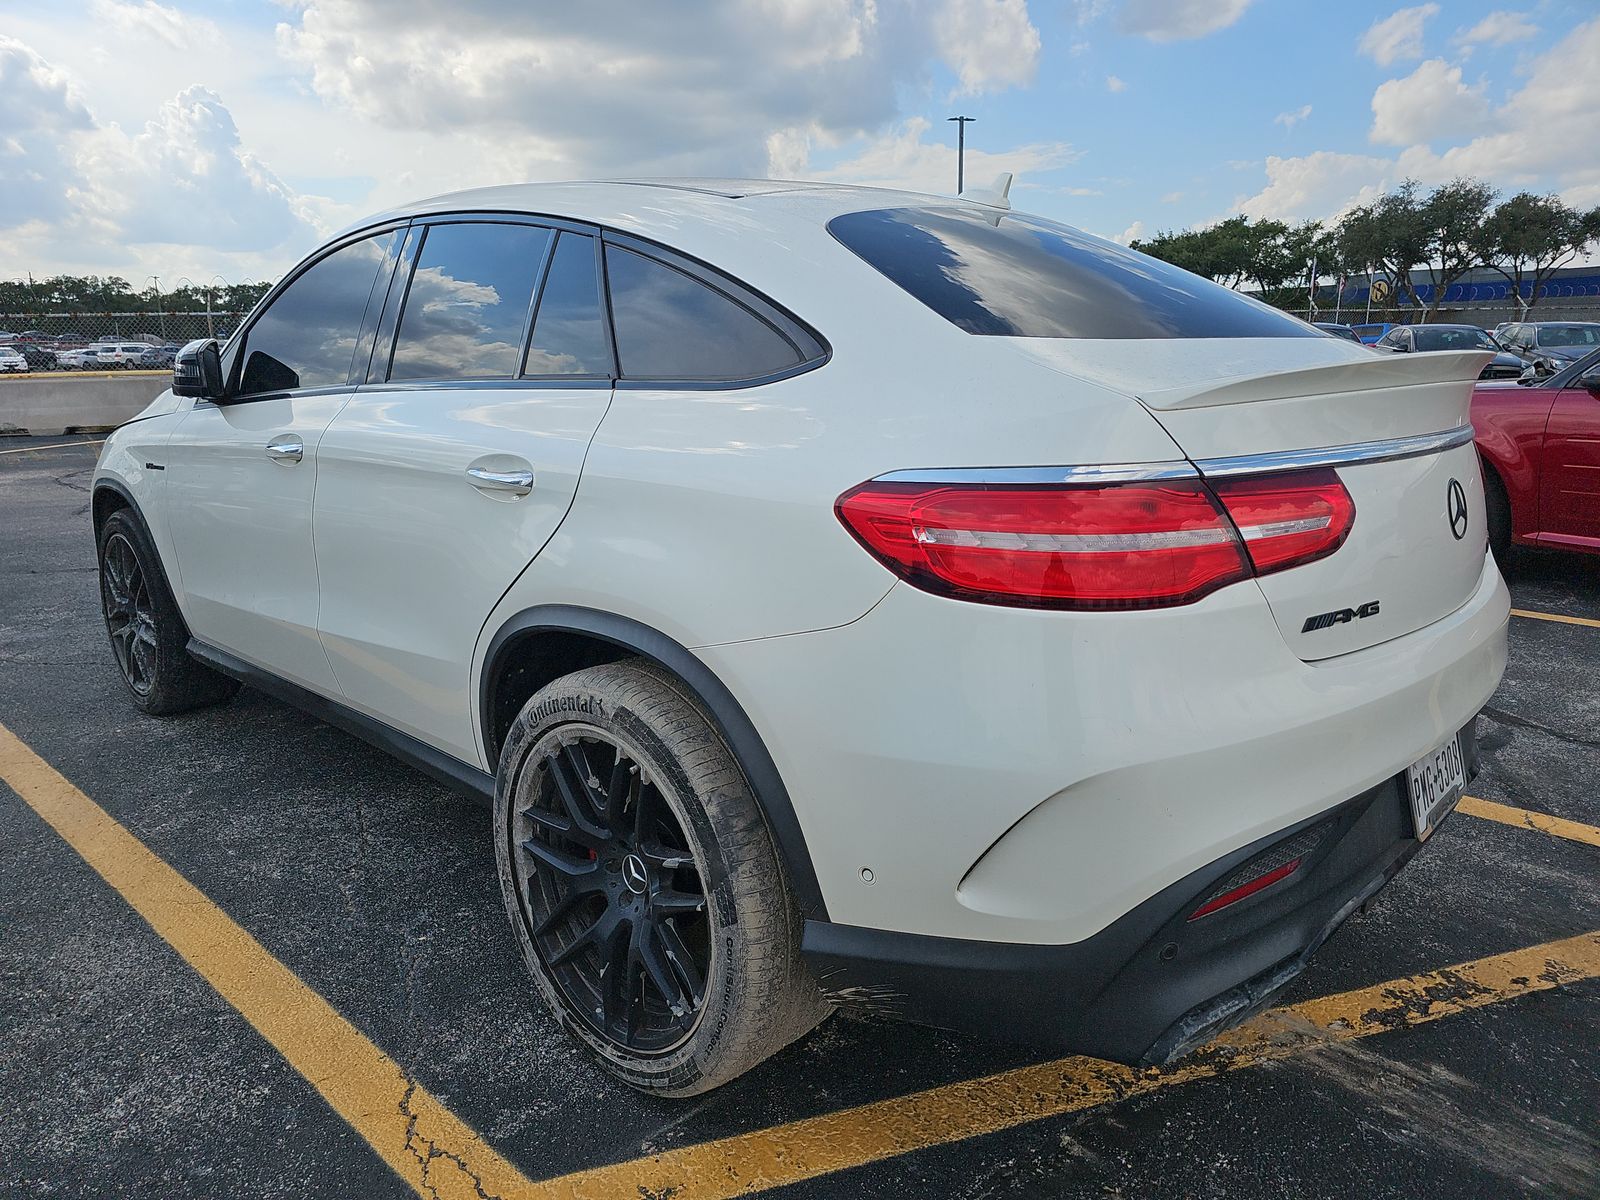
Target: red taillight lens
{"type": "Point", "coordinates": [1115, 546]}
{"type": "Point", "coordinates": [1244, 890]}
{"type": "Point", "coordinates": [1286, 520]}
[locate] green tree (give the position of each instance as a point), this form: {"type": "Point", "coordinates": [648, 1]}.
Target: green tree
{"type": "Point", "coordinates": [1527, 238]}
{"type": "Point", "coordinates": [1454, 215]}
{"type": "Point", "coordinates": [1391, 236]}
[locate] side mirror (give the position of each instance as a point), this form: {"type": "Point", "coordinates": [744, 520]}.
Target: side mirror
{"type": "Point", "coordinates": [197, 370]}
{"type": "Point", "coordinates": [1590, 381]}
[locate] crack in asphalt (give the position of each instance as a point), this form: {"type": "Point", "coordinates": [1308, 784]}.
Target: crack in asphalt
{"type": "Point", "coordinates": [1516, 722]}
{"type": "Point", "coordinates": [427, 1152]}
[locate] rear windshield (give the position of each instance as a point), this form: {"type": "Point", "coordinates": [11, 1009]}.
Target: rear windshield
{"type": "Point", "coordinates": [1008, 275]}
{"type": "Point", "coordinates": [1452, 338]}
{"type": "Point", "coordinates": [1569, 335]}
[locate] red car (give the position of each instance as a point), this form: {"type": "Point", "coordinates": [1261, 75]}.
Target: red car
{"type": "Point", "coordinates": [1540, 445]}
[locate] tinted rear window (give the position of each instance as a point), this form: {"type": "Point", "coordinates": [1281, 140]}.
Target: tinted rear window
{"type": "Point", "coordinates": [1019, 276]}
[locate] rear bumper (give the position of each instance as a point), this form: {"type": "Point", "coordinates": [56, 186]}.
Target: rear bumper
{"type": "Point", "coordinates": [1153, 984]}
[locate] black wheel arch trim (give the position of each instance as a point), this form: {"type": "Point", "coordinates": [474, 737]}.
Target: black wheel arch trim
{"type": "Point", "coordinates": [728, 715]}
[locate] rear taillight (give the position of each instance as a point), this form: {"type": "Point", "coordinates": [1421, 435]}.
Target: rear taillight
{"type": "Point", "coordinates": [1142, 544]}
{"type": "Point", "coordinates": [1290, 519]}
{"type": "Point", "coordinates": [1123, 545]}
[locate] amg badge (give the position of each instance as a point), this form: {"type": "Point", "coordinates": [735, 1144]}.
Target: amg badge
{"type": "Point", "coordinates": [1340, 616]}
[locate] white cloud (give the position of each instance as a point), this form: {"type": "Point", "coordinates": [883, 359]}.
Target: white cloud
{"type": "Point", "coordinates": [1131, 234]}
{"type": "Point", "coordinates": [1113, 84]}
{"type": "Point", "coordinates": [1543, 133]}
{"type": "Point", "coordinates": [902, 158]}
{"type": "Point", "coordinates": [1398, 36]}
{"type": "Point", "coordinates": [187, 178]}
{"type": "Point", "coordinates": [43, 117]}
{"type": "Point", "coordinates": [988, 43]}
{"type": "Point", "coordinates": [1172, 197]}
{"type": "Point", "coordinates": [1429, 103]}
{"type": "Point", "coordinates": [546, 91]}
{"type": "Point", "coordinates": [1543, 139]}
{"type": "Point", "coordinates": [1317, 185]}
{"type": "Point", "coordinates": [149, 19]}
{"type": "Point", "coordinates": [1180, 20]}
{"type": "Point", "coordinates": [1292, 118]}
{"type": "Point", "coordinates": [1500, 29]}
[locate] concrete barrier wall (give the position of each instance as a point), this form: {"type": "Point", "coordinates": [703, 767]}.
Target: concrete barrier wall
{"type": "Point", "coordinates": [57, 402]}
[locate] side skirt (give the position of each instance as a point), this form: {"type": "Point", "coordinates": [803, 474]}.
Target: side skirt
{"type": "Point", "coordinates": [452, 772]}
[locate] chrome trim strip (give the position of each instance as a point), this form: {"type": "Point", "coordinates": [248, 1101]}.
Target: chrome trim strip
{"type": "Point", "coordinates": [1105, 473]}
{"type": "Point", "coordinates": [1336, 456]}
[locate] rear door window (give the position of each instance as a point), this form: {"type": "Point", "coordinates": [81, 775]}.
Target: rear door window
{"type": "Point", "coordinates": [670, 326]}
{"type": "Point", "coordinates": [569, 335]}
{"type": "Point", "coordinates": [467, 308]}
{"type": "Point", "coordinates": [1010, 275]}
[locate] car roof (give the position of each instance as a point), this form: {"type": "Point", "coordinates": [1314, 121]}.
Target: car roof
{"type": "Point", "coordinates": [662, 207]}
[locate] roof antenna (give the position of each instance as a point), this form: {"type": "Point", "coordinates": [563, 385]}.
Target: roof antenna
{"type": "Point", "coordinates": [994, 196]}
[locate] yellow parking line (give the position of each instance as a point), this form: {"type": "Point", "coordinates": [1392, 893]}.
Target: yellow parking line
{"type": "Point", "coordinates": [1524, 818]}
{"type": "Point", "coordinates": [817, 1146]}
{"type": "Point", "coordinates": [52, 446]}
{"type": "Point", "coordinates": [1544, 616]}
{"type": "Point", "coordinates": [428, 1146]}
{"type": "Point", "coordinates": [439, 1155]}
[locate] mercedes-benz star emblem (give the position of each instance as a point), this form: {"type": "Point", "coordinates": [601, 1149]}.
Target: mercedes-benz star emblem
{"type": "Point", "coordinates": [633, 873]}
{"type": "Point", "coordinates": [1456, 509]}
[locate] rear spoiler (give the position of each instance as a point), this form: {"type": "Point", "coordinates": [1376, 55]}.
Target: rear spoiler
{"type": "Point", "coordinates": [1362, 375]}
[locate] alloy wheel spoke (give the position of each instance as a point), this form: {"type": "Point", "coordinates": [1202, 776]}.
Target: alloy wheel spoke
{"type": "Point", "coordinates": [670, 903]}
{"type": "Point", "coordinates": [660, 973]}
{"type": "Point", "coordinates": [572, 785]}
{"type": "Point", "coordinates": [562, 826]}
{"type": "Point", "coordinates": [683, 963]}
{"type": "Point", "coordinates": [566, 864]}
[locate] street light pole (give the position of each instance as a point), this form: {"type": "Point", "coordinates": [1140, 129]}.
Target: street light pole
{"type": "Point", "coordinates": [961, 151]}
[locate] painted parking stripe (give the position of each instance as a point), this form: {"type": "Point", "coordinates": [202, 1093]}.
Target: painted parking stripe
{"type": "Point", "coordinates": [1525, 818]}
{"type": "Point", "coordinates": [426, 1144]}
{"type": "Point", "coordinates": [1565, 620]}
{"type": "Point", "coordinates": [788, 1154]}
{"type": "Point", "coordinates": [435, 1152]}
{"type": "Point", "coordinates": [53, 446]}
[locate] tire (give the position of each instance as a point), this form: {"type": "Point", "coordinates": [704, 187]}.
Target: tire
{"type": "Point", "coordinates": [1497, 516]}
{"type": "Point", "coordinates": [617, 958]}
{"type": "Point", "coordinates": [148, 635]}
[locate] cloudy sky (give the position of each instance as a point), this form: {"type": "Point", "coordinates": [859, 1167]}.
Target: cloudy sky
{"type": "Point", "coordinates": [192, 139]}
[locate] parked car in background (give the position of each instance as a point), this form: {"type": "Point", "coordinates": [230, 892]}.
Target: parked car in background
{"type": "Point", "coordinates": [156, 358]}
{"type": "Point", "coordinates": [1540, 445]}
{"type": "Point", "coordinates": [1423, 338]}
{"type": "Point", "coordinates": [40, 358]}
{"type": "Point", "coordinates": [11, 359]}
{"type": "Point", "coordinates": [935, 622]}
{"type": "Point", "coordinates": [1368, 334]}
{"type": "Point", "coordinates": [120, 355]}
{"type": "Point", "coordinates": [80, 358]}
{"type": "Point", "coordinates": [1339, 331]}
{"type": "Point", "coordinates": [1549, 347]}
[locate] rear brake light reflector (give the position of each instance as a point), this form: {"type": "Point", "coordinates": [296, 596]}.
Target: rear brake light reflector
{"type": "Point", "coordinates": [1072, 546]}
{"type": "Point", "coordinates": [1246, 889]}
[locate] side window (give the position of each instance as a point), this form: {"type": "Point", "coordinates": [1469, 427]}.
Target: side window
{"type": "Point", "coordinates": [568, 331]}
{"type": "Point", "coordinates": [1392, 338]}
{"type": "Point", "coordinates": [671, 326]}
{"type": "Point", "coordinates": [467, 306]}
{"type": "Point", "coordinates": [307, 337]}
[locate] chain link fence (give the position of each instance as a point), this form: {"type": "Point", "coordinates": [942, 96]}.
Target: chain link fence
{"type": "Point", "coordinates": [78, 341]}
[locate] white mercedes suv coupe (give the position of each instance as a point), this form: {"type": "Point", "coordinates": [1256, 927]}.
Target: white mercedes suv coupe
{"type": "Point", "coordinates": [841, 593]}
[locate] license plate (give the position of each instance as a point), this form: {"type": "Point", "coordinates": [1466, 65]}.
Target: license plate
{"type": "Point", "coordinates": [1435, 783]}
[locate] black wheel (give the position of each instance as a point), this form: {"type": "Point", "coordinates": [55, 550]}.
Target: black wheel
{"type": "Point", "coordinates": [1497, 516]}
{"type": "Point", "coordinates": [148, 635]}
{"type": "Point", "coordinates": [643, 884]}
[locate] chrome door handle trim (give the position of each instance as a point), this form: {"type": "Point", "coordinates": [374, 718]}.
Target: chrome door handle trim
{"type": "Point", "coordinates": [519, 482]}
{"type": "Point", "coordinates": [286, 448]}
